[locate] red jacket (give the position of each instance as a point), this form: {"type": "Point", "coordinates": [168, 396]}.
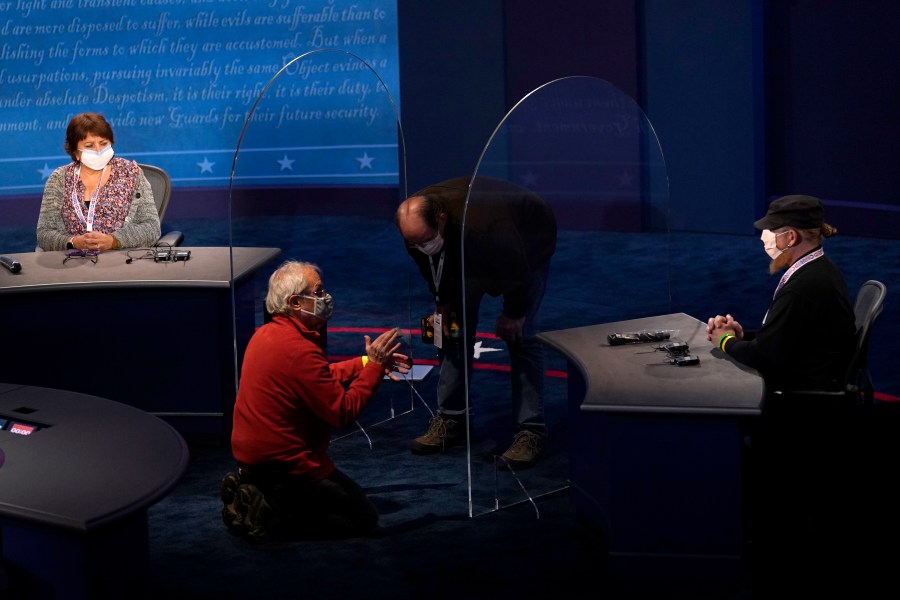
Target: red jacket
{"type": "Point", "coordinates": [290, 398]}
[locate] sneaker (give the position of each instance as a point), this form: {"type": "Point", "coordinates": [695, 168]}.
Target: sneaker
{"type": "Point", "coordinates": [230, 513]}
{"type": "Point", "coordinates": [443, 432]}
{"type": "Point", "coordinates": [525, 450]}
{"type": "Point", "coordinates": [256, 513]}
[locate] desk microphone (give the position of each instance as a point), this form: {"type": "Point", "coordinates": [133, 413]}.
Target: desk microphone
{"type": "Point", "coordinates": [8, 262]}
{"type": "Point", "coordinates": [637, 337]}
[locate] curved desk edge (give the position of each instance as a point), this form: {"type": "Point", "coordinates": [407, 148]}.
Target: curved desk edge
{"type": "Point", "coordinates": [208, 267]}
{"type": "Point", "coordinates": [635, 378]}
{"type": "Point", "coordinates": [91, 463]}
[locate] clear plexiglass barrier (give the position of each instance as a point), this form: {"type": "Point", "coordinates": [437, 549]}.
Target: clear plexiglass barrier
{"type": "Point", "coordinates": [570, 181]}
{"type": "Point", "coordinates": [279, 199]}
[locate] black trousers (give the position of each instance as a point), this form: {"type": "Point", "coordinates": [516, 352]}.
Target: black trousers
{"type": "Point", "coordinates": [336, 507]}
{"type": "Point", "coordinates": [816, 489]}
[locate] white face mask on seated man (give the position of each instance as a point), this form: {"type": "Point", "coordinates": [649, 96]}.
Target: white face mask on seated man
{"type": "Point", "coordinates": [769, 239]}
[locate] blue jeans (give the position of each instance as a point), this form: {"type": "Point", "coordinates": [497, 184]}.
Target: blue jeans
{"type": "Point", "coordinates": [526, 361]}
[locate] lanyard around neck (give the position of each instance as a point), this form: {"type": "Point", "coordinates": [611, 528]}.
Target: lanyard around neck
{"type": "Point", "coordinates": [796, 266]}
{"type": "Point", "coordinates": [89, 219]}
{"type": "Point", "coordinates": [436, 274]}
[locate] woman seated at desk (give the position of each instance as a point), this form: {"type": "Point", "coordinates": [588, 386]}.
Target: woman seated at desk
{"type": "Point", "coordinates": [96, 202]}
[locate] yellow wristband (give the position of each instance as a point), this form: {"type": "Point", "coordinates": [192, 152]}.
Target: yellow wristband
{"type": "Point", "coordinates": [723, 340]}
{"type": "Point", "coordinates": [365, 361]}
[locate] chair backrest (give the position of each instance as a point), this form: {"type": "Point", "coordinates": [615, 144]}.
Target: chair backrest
{"type": "Point", "coordinates": [161, 185]}
{"type": "Point", "coordinates": [869, 304]}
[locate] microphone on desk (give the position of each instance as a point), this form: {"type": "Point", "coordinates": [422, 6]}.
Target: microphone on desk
{"type": "Point", "coordinates": [11, 264]}
{"type": "Point", "coordinates": [637, 337]}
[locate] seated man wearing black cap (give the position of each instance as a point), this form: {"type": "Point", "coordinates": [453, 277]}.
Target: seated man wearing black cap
{"type": "Point", "coordinates": [808, 334]}
{"type": "Point", "coordinates": [798, 470]}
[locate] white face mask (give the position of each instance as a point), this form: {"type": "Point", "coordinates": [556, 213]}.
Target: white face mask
{"type": "Point", "coordinates": [769, 240]}
{"type": "Point", "coordinates": [432, 246]}
{"type": "Point", "coordinates": [97, 160]}
{"type": "Point", "coordinates": [323, 306]}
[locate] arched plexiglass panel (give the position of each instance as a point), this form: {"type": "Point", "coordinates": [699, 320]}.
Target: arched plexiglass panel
{"type": "Point", "coordinates": [282, 198]}
{"type": "Point", "coordinates": [574, 172]}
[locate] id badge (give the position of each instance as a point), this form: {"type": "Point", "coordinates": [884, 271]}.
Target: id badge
{"type": "Point", "coordinates": [438, 331]}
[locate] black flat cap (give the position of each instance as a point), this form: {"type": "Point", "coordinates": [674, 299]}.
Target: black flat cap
{"type": "Point", "coordinates": [802, 212]}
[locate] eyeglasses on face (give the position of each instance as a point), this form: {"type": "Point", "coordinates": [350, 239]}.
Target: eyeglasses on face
{"type": "Point", "coordinates": [310, 294]}
{"type": "Point", "coordinates": [90, 254]}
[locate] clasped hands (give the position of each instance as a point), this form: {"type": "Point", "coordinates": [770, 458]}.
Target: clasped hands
{"type": "Point", "coordinates": [718, 326]}
{"type": "Point", "coordinates": [383, 351]}
{"type": "Point", "coordinates": [94, 240]}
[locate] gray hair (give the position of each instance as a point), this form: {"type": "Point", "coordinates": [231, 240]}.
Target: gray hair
{"type": "Point", "coordinates": [287, 280]}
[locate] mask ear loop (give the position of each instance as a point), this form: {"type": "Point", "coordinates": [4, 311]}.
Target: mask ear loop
{"type": "Point", "coordinates": [299, 305]}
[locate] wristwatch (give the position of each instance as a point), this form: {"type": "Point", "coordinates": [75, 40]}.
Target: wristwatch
{"type": "Point", "coordinates": [70, 245]}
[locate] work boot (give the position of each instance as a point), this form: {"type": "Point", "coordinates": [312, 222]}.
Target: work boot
{"type": "Point", "coordinates": [257, 515]}
{"type": "Point", "coordinates": [525, 450]}
{"type": "Point", "coordinates": [443, 432]}
{"type": "Point", "coordinates": [231, 516]}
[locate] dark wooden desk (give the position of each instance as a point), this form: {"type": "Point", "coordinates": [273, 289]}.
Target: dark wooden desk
{"type": "Point", "coordinates": [656, 449]}
{"type": "Point", "coordinates": [166, 337]}
{"type": "Point", "coordinates": [74, 493]}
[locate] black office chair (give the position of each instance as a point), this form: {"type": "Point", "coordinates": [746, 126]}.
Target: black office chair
{"type": "Point", "coordinates": [869, 304]}
{"type": "Point", "coordinates": [857, 388]}
{"type": "Point", "coordinates": [815, 457]}
{"type": "Point", "coordinates": [161, 184]}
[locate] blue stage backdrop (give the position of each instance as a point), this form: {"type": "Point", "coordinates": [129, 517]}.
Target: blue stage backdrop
{"type": "Point", "coordinates": [177, 78]}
